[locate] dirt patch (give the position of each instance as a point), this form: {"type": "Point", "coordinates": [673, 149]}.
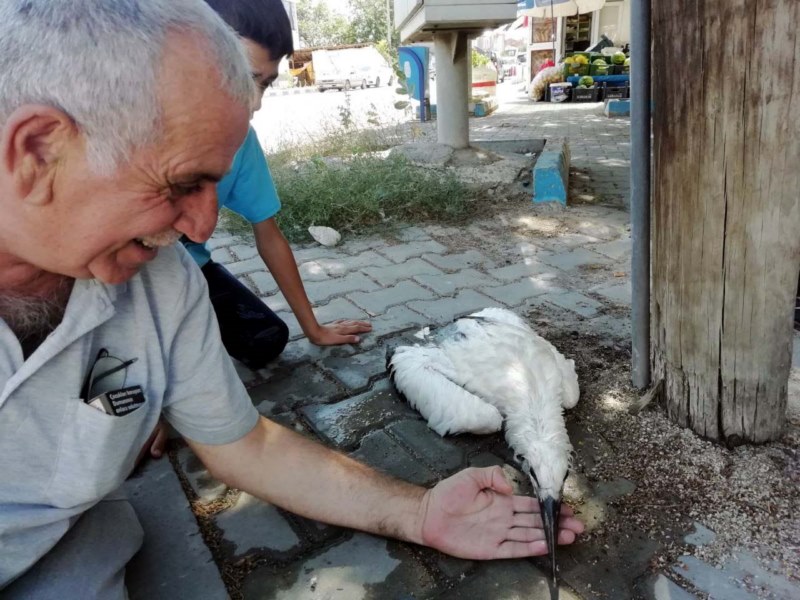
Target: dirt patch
{"type": "Point", "coordinates": [749, 496]}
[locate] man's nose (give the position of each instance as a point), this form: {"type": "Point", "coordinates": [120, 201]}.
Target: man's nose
{"type": "Point", "coordinates": [198, 214]}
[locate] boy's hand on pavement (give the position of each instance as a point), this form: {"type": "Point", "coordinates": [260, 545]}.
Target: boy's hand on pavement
{"type": "Point", "coordinates": [339, 332]}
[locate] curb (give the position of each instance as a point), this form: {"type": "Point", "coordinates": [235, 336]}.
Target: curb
{"type": "Point", "coordinates": [551, 173]}
{"type": "Point", "coordinates": [290, 91]}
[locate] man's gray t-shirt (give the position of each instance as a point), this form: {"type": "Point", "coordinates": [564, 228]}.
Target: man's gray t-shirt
{"type": "Point", "coordinates": [58, 455]}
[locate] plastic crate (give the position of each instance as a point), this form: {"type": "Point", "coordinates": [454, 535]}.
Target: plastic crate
{"type": "Point", "coordinates": [615, 92]}
{"type": "Point", "coordinates": [591, 94]}
{"type": "Point", "coordinates": [595, 70]}
{"type": "Point", "coordinates": [618, 70]}
{"type": "Point", "coordinates": [576, 69]}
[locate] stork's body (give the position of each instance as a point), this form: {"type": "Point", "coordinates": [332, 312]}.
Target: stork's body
{"type": "Point", "coordinates": [487, 369]}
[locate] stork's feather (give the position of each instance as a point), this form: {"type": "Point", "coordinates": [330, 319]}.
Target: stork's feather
{"type": "Point", "coordinates": [489, 364]}
{"type": "Point", "coordinates": [428, 380]}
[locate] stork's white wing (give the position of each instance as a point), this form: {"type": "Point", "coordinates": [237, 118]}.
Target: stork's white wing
{"type": "Point", "coordinates": [429, 381]}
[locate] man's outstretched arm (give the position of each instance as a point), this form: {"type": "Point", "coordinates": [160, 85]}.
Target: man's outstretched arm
{"type": "Point", "coordinates": [472, 514]}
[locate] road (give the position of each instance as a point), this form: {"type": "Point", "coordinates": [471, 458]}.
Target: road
{"type": "Point", "coordinates": [303, 117]}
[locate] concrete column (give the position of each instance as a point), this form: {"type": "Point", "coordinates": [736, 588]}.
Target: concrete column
{"type": "Point", "coordinates": [452, 77]}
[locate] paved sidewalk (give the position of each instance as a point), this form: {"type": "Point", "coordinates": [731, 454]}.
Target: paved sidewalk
{"type": "Point", "coordinates": [571, 267]}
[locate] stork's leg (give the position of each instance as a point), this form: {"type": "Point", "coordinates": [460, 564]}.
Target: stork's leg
{"type": "Point", "coordinates": [426, 377]}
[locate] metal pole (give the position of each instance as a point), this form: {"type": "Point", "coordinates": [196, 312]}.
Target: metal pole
{"type": "Point", "coordinates": [640, 191]}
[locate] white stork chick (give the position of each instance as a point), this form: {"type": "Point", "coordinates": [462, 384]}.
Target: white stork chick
{"type": "Point", "coordinates": [491, 367]}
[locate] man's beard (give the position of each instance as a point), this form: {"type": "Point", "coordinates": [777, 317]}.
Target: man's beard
{"type": "Point", "coordinates": [33, 318]}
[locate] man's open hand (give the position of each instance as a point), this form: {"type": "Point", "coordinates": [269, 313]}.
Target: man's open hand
{"type": "Point", "coordinates": [474, 515]}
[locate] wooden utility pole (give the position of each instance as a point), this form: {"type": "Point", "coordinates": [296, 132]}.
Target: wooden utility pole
{"type": "Point", "coordinates": [726, 207]}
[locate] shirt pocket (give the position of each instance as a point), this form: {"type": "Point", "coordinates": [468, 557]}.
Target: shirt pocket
{"type": "Point", "coordinates": [96, 452]}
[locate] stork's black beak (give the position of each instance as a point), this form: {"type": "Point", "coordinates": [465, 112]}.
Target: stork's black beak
{"type": "Point", "coordinates": [550, 510]}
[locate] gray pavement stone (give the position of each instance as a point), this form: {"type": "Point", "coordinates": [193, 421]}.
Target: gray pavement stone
{"type": "Point", "coordinates": [312, 271]}
{"type": "Point", "coordinates": [346, 422]}
{"type": "Point", "coordinates": [528, 268]}
{"type": "Point", "coordinates": [446, 309]}
{"type": "Point", "coordinates": [413, 234]}
{"type": "Point", "coordinates": [383, 453]}
{"type": "Point", "coordinates": [355, 247]}
{"type": "Point", "coordinates": [336, 309]}
{"type": "Point", "coordinates": [174, 561]}
{"type": "Point", "coordinates": [391, 274]}
{"type": "Point", "coordinates": [506, 580]}
{"type": "Point", "coordinates": [264, 282]}
{"type": "Point", "coordinates": [597, 228]}
{"type": "Point", "coordinates": [244, 251]}
{"type": "Point", "coordinates": [568, 261]}
{"type": "Point", "coordinates": [290, 388]}
{"type": "Point", "coordinates": [295, 331]}
{"type": "Point", "coordinates": [356, 371]}
{"type": "Point", "coordinates": [222, 256]}
{"type": "Point", "coordinates": [204, 485]}
{"type": "Point", "coordinates": [617, 249]}
{"type": "Point", "coordinates": [521, 292]}
{"type": "Point", "coordinates": [448, 284]}
{"type": "Point", "coordinates": [618, 293]}
{"type": "Point", "coordinates": [301, 351]}
{"type": "Point", "coordinates": [428, 446]}
{"type": "Point", "coordinates": [701, 536]}
{"type": "Point", "coordinates": [240, 267]}
{"type": "Point", "coordinates": [618, 327]}
{"type": "Point", "coordinates": [320, 291]}
{"type": "Point", "coordinates": [222, 241]}
{"type": "Point", "coordinates": [569, 240]}
{"type": "Point", "coordinates": [360, 568]}
{"type": "Point", "coordinates": [402, 252]}
{"type": "Point", "coordinates": [311, 253]}
{"type": "Point", "coordinates": [277, 302]}
{"type": "Point", "coordinates": [376, 303]}
{"type": "Point", "coordinates": [251, 524]}
{"type": "Point", "coordinates": [460, 261]}
{"type": "Point", "coordinates": [336, 267]}
{"type": "Point", "coordinates": [576, 302]}
{"type": "Point", "coordinates": [666, 589]}
{"type": "Point", "coordinates": [396, 318]}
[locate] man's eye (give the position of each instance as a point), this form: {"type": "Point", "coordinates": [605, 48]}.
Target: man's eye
{"type": "Point", "coordinates": [179, 191]}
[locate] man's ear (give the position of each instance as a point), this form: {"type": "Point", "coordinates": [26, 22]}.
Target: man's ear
{"type": "Point", "coordinates": [34, 140]}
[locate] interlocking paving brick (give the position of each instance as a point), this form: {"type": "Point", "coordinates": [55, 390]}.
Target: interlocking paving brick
{"type": "Point", "coordinates": [357, 370]}
{"type": "Point", "coordinates": [295, 331]}
{"type": "Point", "coordinates": [355, 247]}
{"type": "Point", "coordinates": [522, 292]}
{"type": "Point", "coordinates": [375, 303]}
{"type": "Point", "coordinates": [514, 579]}
{"type": "Point", "coordinates": [174, 561]}
{"type": "Point", "coordinates": [204, 485]}
{"type": "Point", "coordinates": [391, 274]}
{"type": "Point", "coordinates": [380, 451]}
{"type": "Point", "coordinates": [396, 318]}
{"type": "Point", "coordinates": [336, 309]}
{"type": "Point", "coordinates": [221, 241]}
{"type": "Point", "coordinates": [222, 256]}
{"type": "Point", "coordinates": [312, 271]}
{"type": "Point", "coordinates": [346, 422]}
{"type": "Point", "coordinates": [568, 261]}
{"type": "Point", "coordinates": [457, 262]}
{"type": "Point", "coordinates": [311, 253]}
{"type": "Point", "coordinates": [527, 268]}
{"type": "Point", "coordinates": [321, 291]}
{"type": "Point", "coordinates": [402, 252]}
{"type": "Point", "coordinates": [337, 267]}
{"type": "Point", "coordinates": [277, 302]}
{"type": "Point", "coordinates": [356, 569]}
{"type": "Point", "coordinates": [576, 302]}
{"type": "Point", "coordinates": [616, 249]}
{"type": "Point", "coordinates": [619, 327]}
{"type": "Point", "coordinates": [619, 293]}
{"type": "Point", "coordinates": [446, 309]}
{"type": "Point", "coordinates": [264, 282]}
{"type": "Point", "coordinates": [427, 445]}
{"type": "Point", "coordinates": [241, 267]}
{"type": "Point", "coordinates": [244, 251]}
{"type": "Point", "coordinates": [252, 524]}
{"type": "Point", "coordinates": [291, 388]}
{"type": "Point", "coordinates": [447, 284]}
{"type": "Point", "coordinates": [412, 234]}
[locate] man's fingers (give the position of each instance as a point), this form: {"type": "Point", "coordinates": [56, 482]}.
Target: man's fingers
{"type": "Point", "coordinates": [572, 524]}
{"type": "Point", "coordinates": [525, 534]}
{"type": "Point", "coordinates": [492, 478]}
{"type": "Point", "coordinates": [525, 504]}
{"type": "Point", "coordinates": [526, 520]}
{"type": "Point", "coordinates": [521, 549]}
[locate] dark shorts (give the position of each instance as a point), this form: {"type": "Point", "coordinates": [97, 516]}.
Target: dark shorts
{"type": "Point", "coordinates": [251, 332]}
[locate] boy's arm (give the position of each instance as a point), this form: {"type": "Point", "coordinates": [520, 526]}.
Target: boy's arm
{"type": "Point", "coordinates": [278, 256]}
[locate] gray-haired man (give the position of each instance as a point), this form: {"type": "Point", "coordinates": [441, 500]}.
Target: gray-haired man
{"type": "Point", "coordinates": [117, 117]}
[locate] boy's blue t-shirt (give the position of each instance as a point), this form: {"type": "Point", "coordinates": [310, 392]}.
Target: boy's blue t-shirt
{"type": "Point", "coordinates": [247, 189]}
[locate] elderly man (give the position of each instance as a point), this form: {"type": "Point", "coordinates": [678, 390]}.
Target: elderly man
{"type": "Point", "coordinates": [117, 117]}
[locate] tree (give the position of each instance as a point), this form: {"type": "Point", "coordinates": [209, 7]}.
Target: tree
{"type": "Point", "coordinates": [371, 21]}
{"type": "Point", "coordinates": [726, 229]}
{"type": "Point", "coordinates": [318, 25]}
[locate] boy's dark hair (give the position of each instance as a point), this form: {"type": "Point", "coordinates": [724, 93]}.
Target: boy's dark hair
{"type": "Point", "coordinates": [263, 21]}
